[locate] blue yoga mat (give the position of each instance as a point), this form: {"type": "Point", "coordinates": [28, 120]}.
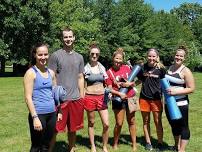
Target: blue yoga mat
{"type": "Point", "coordinates": [131, 77]}
{"type": "Point", "coordinates": [173, 109]}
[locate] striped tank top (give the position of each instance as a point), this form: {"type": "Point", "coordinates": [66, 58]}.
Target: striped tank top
{"type": "Point", "coordinates": [176, 81]}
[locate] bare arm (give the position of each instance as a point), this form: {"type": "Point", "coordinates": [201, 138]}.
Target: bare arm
{"type": "Point", "coordinates": [122, 95]}
{"type": "Point", "coordinates": [53, 77]}
{"type": "Point", "coordinates": [81, 84]}
{"type": "Point", "coordinates": [189, 80]}
{"type": "Point", "coordinates": [28, 90]}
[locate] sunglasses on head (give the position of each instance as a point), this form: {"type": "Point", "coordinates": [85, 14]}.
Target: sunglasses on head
{"type": "Point", "coordinates": [96, 54]}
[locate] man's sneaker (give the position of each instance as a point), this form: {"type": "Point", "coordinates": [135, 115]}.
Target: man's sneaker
{"type": "Point", "coordinates": [148, 147]}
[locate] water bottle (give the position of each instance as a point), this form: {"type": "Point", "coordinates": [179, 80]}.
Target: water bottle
{"type": "Point", "coordinates": [106, 95]}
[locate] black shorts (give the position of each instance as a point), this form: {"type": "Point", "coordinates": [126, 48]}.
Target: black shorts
{"type": "Point", "coordinates": [119, 105]}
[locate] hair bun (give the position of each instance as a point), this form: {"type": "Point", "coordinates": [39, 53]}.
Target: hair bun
{"type": "Point", "coordinates": [120, 50]}
{"type": "Point", "coordinates": [93, 44]}
{"type": "Point", "coordinates": [183, 47]}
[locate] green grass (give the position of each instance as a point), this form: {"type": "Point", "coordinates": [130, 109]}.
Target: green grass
{"type": "Point", "coordinates": [14, 130]}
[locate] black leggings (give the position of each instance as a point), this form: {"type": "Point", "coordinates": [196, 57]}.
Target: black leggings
{"type": "Point", "coordinates": [180, 127]}
{"type": "Point", "coordinates": [41, 139]}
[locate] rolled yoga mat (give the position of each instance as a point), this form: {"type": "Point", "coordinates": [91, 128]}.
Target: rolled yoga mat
{"type": "Point", "coordinates": [173, 109]}
{"type": "Point", "coordinates": [131, 77]}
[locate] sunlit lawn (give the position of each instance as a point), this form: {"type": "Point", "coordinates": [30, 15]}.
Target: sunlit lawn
{"type": "Point", "coordinates": [14, 131]}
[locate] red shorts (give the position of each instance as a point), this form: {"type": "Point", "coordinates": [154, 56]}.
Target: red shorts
{"type": "Point", "coordinates": [94, 102]}
{"type": "Point", "coordinates": [150, 105]}
{"type": "Point", "coordinates": [72, 116]}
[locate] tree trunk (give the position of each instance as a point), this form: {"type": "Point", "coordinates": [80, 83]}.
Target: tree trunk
{"type": "Point", "coordinates": [2, 65]}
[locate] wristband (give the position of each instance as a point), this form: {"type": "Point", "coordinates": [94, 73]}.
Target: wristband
{"type": "Point", "coordinates": [34, 116]}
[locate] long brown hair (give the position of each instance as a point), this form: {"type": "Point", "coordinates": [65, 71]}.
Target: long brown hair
{"type": "Point", "coordinates": [33, 52]}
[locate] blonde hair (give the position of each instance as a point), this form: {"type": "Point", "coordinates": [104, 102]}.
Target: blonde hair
{"type": "Point", "coordinates": [158, 61]}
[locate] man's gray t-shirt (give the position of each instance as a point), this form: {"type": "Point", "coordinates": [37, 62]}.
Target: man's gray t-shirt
{"type": "Point", "coordinates": [67, 67]}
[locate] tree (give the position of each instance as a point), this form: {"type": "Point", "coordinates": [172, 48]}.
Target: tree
{"type": "Point", "coordinates": [79, 17]}
{"type": "Point", "coordinates": [197, 29]}
{"type": "Point", "coordinates": [188, 12]}
{"type": "Point", "coordinates": [121, 21]}
{"type": "Point", "coordinates": [23, 23]}
{"type": "Point", "coordinates": [164, 31]}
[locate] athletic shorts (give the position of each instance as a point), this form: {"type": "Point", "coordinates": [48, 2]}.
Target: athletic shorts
{"type": "Point", "coordinates": [72, 116]}
{"type": "Point", "coordinates": [119, 105]}
{"type": "Point", "coordinates": [147, 105]}
{"type": "Point", "coordinates": [94, 102]}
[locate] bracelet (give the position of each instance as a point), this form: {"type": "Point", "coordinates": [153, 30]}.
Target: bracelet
{"type": "Point", "coordinates": [34, 116]}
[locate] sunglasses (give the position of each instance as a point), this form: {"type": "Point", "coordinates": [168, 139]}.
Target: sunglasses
{"type": "Point", "coordinates": [96, 54]}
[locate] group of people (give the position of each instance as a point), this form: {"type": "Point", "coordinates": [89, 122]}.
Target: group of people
{"type": "Point", "coordinates": [86, 90]}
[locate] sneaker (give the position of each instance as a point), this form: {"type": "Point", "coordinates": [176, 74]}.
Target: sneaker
{"type": "Point", "coordinates": [159, 147]}
{"type": "Point", "coordinates": [148, 147]}
{"type": "Point", "coordinates": [173, 149]}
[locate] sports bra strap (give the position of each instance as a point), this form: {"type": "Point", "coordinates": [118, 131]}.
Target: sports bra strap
{"type": "Point", "coordinates": [182, 67]}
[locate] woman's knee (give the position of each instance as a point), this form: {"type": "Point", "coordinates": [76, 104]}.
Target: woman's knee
{"type": "Point", "coordinates": [185, 134]}
{"type": "Point", "coordinates": [91, 123]}
{"type": "Point", "coordinates": [131, 121]}
{"type": "Point", "coordinates": [105, 126]}
{"type": "Point", "coordinates": [146, 121]}
{"type": "Point", "coordinates": [119, 124]}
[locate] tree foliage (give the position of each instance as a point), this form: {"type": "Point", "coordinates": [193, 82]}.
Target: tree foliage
{"type": "Point", "coordinates": [130, 24]}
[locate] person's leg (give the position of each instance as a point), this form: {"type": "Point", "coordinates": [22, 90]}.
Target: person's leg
{"type": "Point", "coordinates": [132, 128]}
{"type": "Point", "coordinates": [158, 123]}
{"type": "Point", "coordinates": [185, 133]}
{"type": "Point", "coordinates": [146, 126]}
{"type": "Point", "coordinates": [35, 136]}
{"type": "Point", "coordinates": [177, 142]}
{"type": "Point", "coordinates": [52, 142]}
{"type": "Point", "coordinates": [119, 117]}
{"type": "Point", "coordinates": [60, 125]}
{"type": "Point", "coordinates": [49, 131]}
{"type": "Point", "coordinates": [105, 133]}
{"type": "Point", "coordinates": [74, 121]}
{"type": "Point", "coordinates": [174, 127]}
{"type": "Point", "coordinates": [71, 140]}
{"type": "Point", "coordinates": [91, 121]}
{"type": "Point", "coordinates": [183, 144]}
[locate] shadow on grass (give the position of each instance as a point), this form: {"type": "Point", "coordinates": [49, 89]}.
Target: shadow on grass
{"type": "Point", "coordinates": [125, 139]}
{"type": "Point", "coordinates": [61, 146]}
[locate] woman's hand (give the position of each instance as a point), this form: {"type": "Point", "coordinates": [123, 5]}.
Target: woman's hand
{"type": "Point", "coordinates": [127, 84]}
{"type": "Point", "coordinates": [123, 95]}
{"type": "Point", "coordinates": [59, 117]}
{"type": "Point", "coordinates": [37, 124]}
{"type": "Point", "coordinates": [171, 91]}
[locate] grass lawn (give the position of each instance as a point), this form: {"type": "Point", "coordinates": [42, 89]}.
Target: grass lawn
{"type": "Point", "coordinates": [15, 137]}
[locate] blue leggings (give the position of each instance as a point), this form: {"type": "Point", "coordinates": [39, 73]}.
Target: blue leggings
{"type": "Point", "coordinates": [41, 139]}
{"type": "Point", "coordinates": [180, 127]}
